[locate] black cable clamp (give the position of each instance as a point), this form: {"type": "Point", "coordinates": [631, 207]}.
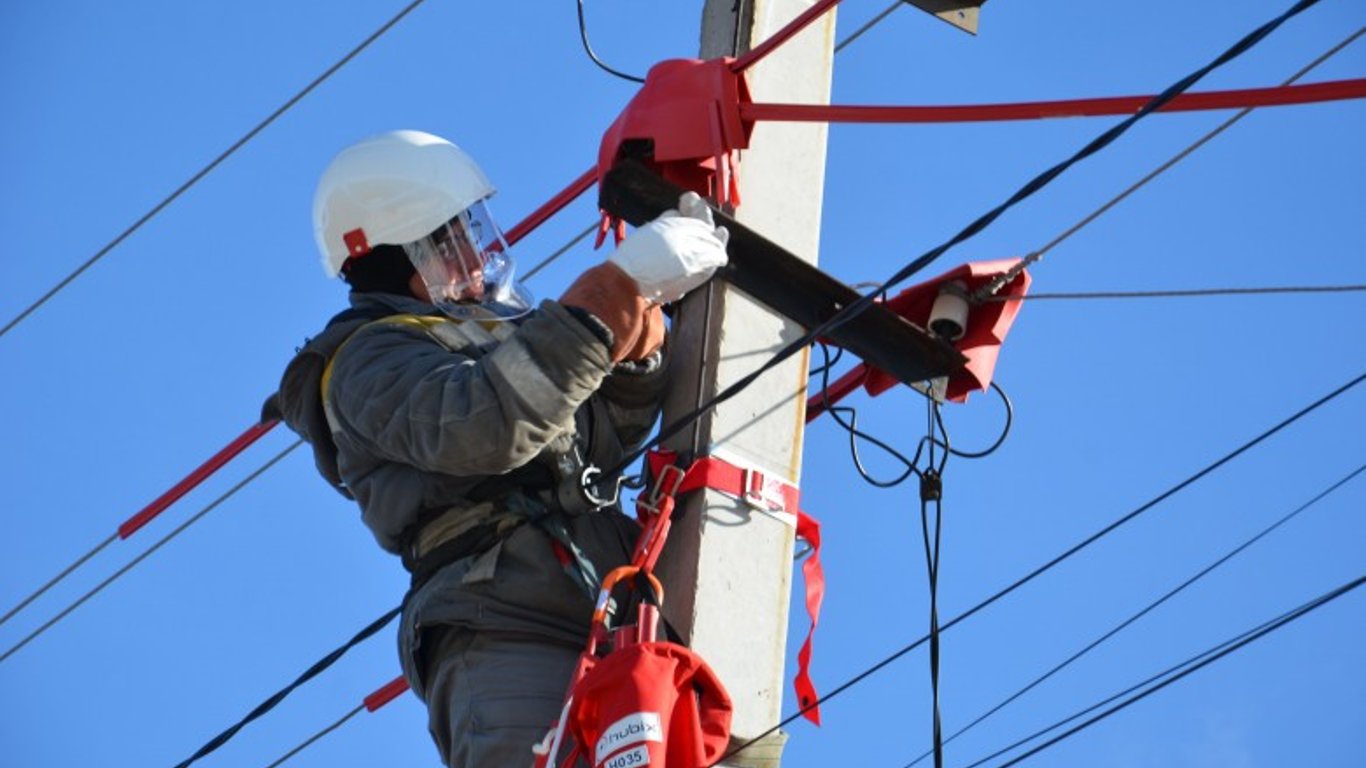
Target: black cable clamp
{"type": "Point", "coordinates": [931, 485]}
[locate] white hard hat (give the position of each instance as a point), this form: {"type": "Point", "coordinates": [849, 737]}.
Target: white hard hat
{"type": "Point", "coordinates": [391, 189]}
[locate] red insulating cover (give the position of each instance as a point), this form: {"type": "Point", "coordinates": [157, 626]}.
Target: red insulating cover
{"type": "Point", "coordinates": [655, 704]}
{"type": "Point", "coordinates": [988, 324]}
{"type": "Point", "coordinates": [690, 110]}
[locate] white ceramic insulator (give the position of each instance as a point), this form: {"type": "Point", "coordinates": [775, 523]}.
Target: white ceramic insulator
{"type": "Point", "coordinates": [949, 316]}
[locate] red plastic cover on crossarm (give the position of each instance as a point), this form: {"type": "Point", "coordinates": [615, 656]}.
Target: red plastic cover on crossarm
{"type": "Point", "coordinates": [988, 324]}
{"type": "Point", "coordinates": [688, 110]}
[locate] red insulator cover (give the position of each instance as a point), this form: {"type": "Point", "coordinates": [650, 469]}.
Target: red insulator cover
{"type": "Point", "coordinates": [689, 112]}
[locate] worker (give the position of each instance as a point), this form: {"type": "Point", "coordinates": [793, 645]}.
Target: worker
{"type": "Point", "coordinates": [462, 420]}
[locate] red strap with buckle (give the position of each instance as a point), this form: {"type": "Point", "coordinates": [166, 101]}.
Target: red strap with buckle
{"type": "Point", "coordinates": [766, 493]}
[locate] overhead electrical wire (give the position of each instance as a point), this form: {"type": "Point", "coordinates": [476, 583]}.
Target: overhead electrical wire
{"type": "Point", "coordinates": [279, 696]}
{"type": "Point", "coordinates": [982, 222]}
{"type": "Point", "coordinates": [1066, 554]}
{"type": "Point", "coordinates": [374, 701]}
{"type": "Point", "coordinates": [248, 136]}
{"type": "Point", "coordinates": [1148, 608]}
{"type": "Point", "coordinates": [148, 552]}
{"type": "Point", "coordinates": [562, 250]}
{"type": "Point", "coordinates": [1151, 679]}
{"type": "Point", "coordinates": [1034, 256]}
{"type": "Point", "coordinates": [856, 34]}
{"type": "Point", "coordinates": [1272, 626]}
{"type": "Point", "coordinates": [588, 49]}
{"type": "Point", "coordinates": [306, 743]}
{"type": "Point", "coordinates": [1183, 293]}
{"type": "Point", "coordinates": [145, 515]}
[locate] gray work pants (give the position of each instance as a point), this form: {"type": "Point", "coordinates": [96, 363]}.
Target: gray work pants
{"type": "Point", "coordinates": [490, 697]}
{"type": "Point", "coordinates": [500, 634]}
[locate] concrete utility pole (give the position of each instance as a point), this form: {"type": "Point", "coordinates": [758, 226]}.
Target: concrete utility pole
{"type": "Point", "coordinates": [729, 567]}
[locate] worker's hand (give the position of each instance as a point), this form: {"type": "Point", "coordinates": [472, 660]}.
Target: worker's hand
{"type": "Point", "coordinates": [610, 295]}
{"type": "Point", "coordinates": [651, 335]}
{"type": "Point", "coordinates": [675, 253]}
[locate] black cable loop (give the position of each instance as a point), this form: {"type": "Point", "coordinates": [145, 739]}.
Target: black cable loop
{"type": "Point", "coordinates": [1005, 431]}
{"type": "Point", "coordinates": [854, 433]}
{"type": "Point", "coordinates": [588, 49]}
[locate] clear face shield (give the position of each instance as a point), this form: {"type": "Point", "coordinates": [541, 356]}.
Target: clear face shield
{"type": "Point", "coordinates": [468, 270]}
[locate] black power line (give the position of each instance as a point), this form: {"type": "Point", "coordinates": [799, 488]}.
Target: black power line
{"type": "Point", "coordinates": [588, 49]}
{"type": "Point", "coordinates": [1074, 549]}
{"type": "Point", "coordinates": [212, 165]}
{"type": "Point", "coordinates": [1135, 687]}
{"type": "Point", "coordinates": [279, 696]}
{"type": "Point", "coordinates": [1183, 293]}
{"type": "Point", "coordinates": [146, 554]}
{"type": "Point", "coordinates": [1257, 634]}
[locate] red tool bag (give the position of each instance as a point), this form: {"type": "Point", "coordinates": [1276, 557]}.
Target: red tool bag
{"type": "Point", "coordinates": [651, 704]}
{"type": "Point", "coordinates": [646, 703]}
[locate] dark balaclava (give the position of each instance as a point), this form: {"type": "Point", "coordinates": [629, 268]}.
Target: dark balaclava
{"type": "Point", "coordinates": [385, 269]}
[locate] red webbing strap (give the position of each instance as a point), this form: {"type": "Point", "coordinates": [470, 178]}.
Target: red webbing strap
{"type": "Point", "coordinates": [814, 577]}
{"type": "Point", "coordinates": [1334, 90]}
{"type": "Point", "coordinates": [774, 495]}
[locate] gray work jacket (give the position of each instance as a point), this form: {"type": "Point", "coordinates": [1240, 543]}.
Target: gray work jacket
{"type": "Point", "coordinates": [419, 419]}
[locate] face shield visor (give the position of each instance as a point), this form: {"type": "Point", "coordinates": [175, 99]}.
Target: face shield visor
{"type": "Point", "coordinates": [468, 270]}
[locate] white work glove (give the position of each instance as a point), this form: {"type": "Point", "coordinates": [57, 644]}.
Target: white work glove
{"type": "Point", "coordinates": [675, 253]}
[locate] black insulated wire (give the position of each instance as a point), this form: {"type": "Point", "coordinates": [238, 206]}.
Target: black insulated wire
{"type": "Point", "coordinates": [588, 49]}
{"type": "Point", "coordinates": [1005, 429]}
{"type": "Point", "coordinates": [1074, 549]}
{"type": "Point", "coordinates": [1182, 293]}
{"type": "Point", "coordinates": [295, 99]}
{"type": "Point", "coordinates": [838, 413]}
{"type": "Point", "coordinates": [1267, 629]}
{"type": "Point", "coordinates": [1138, 615]}
{"type": "Point", "coordinates": [279, 696]}
{"type": "Point", "coordinates": [1151, 679]}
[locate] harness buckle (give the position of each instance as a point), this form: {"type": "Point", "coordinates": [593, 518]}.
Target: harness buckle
{"type": "Point", "coordinates": [666, 486]}
{"type": "Point", "coordinates": [761, 492]}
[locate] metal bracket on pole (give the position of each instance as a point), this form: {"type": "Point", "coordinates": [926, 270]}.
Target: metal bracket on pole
{"type": "Point", "coordinates": [790, 286]}
{"type": "Point", "coordinates": [960, 13]}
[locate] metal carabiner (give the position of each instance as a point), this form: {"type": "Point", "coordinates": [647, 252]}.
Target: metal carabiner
{"type": "Point", "coordinates": [588, 483]}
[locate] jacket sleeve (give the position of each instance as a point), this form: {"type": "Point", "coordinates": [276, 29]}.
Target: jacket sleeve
{"type": "Point", "coordinates": [634, 395]}
{"type": "Point", "coordinates": [407, 399]}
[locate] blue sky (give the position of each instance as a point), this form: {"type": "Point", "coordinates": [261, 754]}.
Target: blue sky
{"type": "Point", "coordinates": [163, 351]}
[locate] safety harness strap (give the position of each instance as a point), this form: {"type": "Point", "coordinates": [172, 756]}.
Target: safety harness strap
{"type": "Point", "coordinates": [778, 498]}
